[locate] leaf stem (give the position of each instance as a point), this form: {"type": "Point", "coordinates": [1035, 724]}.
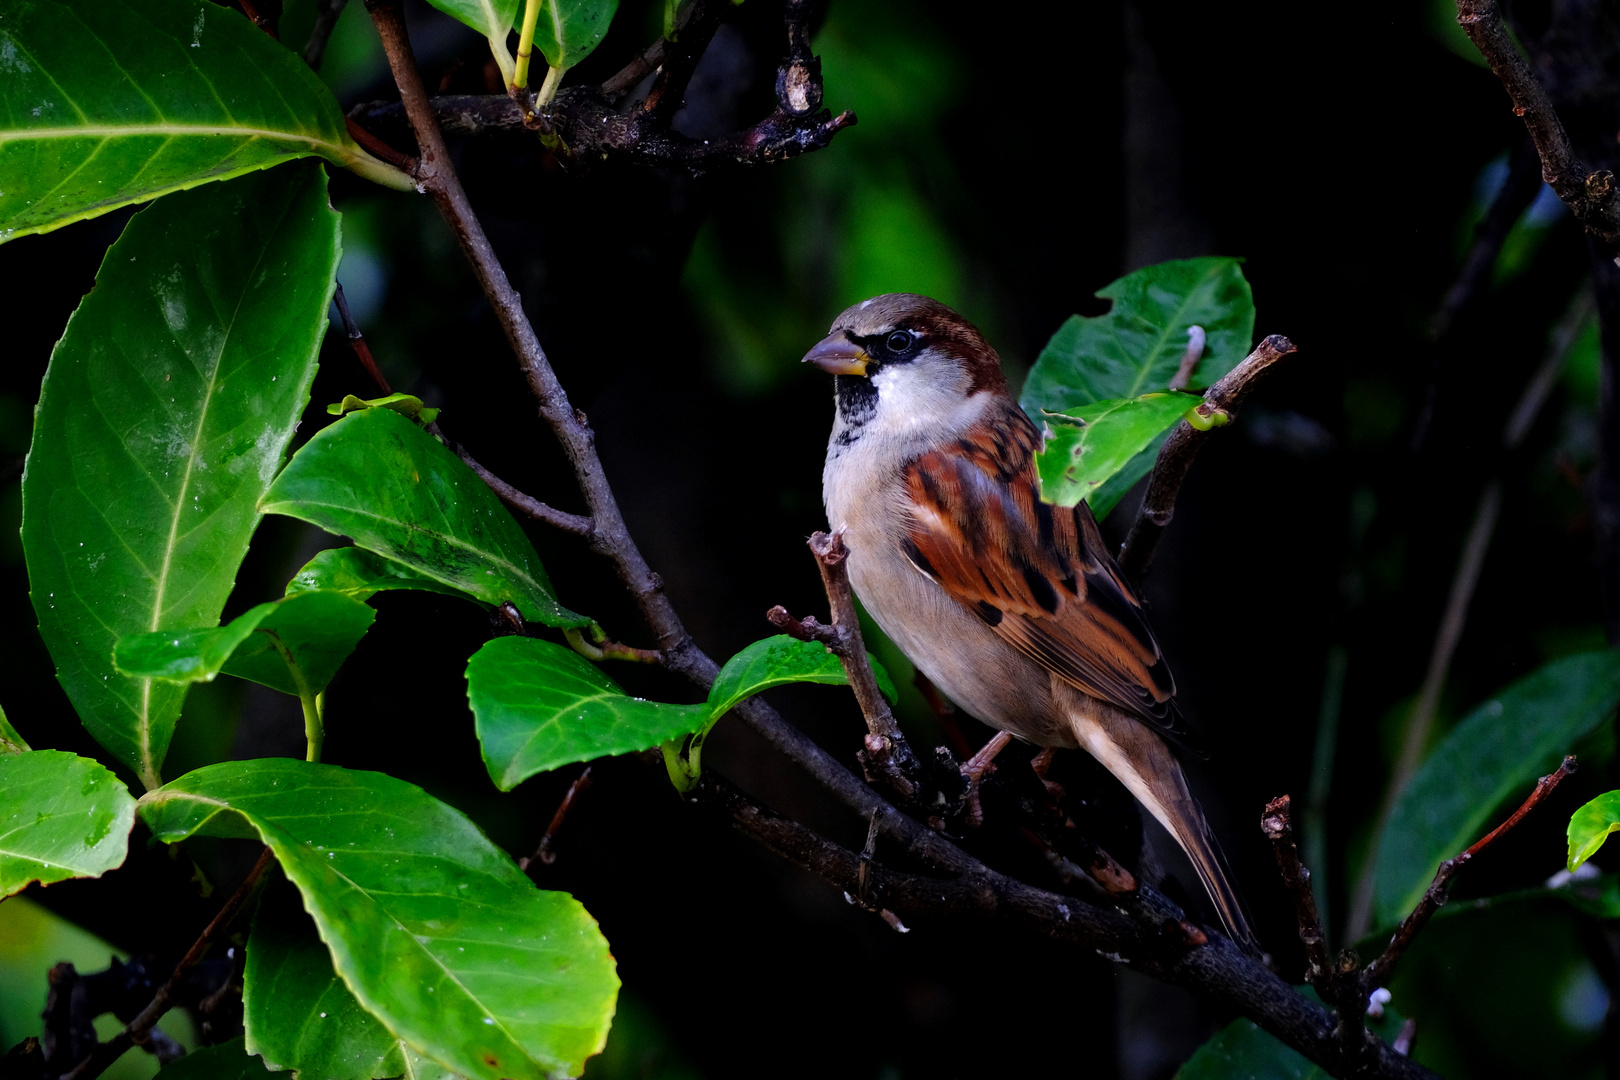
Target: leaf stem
{"type": "Point", "coordinates": [520, 75]}
{"type": "Point", "coordinates": [314, 722]}
{"type": "Point", "coordinates": [548, 89]}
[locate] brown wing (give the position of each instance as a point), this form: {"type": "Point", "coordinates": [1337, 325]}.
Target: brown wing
{"type": "Point", "coordinates": [1038, 574]}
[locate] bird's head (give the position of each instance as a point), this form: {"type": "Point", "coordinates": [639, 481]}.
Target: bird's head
{"type": "Point", "coordinates": [905, 352]}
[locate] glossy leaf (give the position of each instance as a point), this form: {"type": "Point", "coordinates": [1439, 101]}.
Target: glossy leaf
{"type": "Point", "coordinates": [107, 104]}
{"type": "Point", "coordinates": [434, 929]}
{"type": "Point", "coordinates": [1591, 825]}
{"type": "Point", "coordinates": [396, 490]}
{"type": "Point", "coordinates": [538, 705]}
{"type": "Point", "coordinates": [778, 660]}
{"type": "Point", "coordinates": [227, 1061]}
{"type": "Point", "coordinates": [10, 741]}
{"type": "Point", "coordinates": [296, 1011]}
{"type": "Point", "coordinates": [61, 816]}
{"type": "Point", "coordinates": [491, 18]}
{"type": "Point", "coordinates": [1493, 756]}
{"type": "Point", "coordinates": [165, 413]}
{"type": "Point", "coordinates": [302, 639]}
{"type": "Point", "coordinates": [1137, 347]}
{"type": "Point", "coordinates": [362, 574]}
{"type": "Point", "coordinates": [1086, 446]}
{"type": "Point", "coordinates": [569, 30]}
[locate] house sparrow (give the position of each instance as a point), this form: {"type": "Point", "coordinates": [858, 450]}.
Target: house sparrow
{"type": "Point", "coordinates": [1009, 605]}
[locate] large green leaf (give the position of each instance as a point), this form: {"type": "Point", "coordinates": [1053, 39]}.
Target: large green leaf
{"type": "Point", "coordinates": [394, 489]}
{"type": "Point", "coordinates": [569, 29]}
{"type": "Point", "coordinates": [1495, 754]}
{"type": "Point", "coordinates": [1086, 446]}
{"type": "Point", "coordinates": [295, 1009]}
{"type": "Point", "coordinates": [1137, 347]}
{"type": "Point", "coordinates": [227, 1061]}
{"type": "Point", "coordinates": [294, 645]}
{"type": "Point", "coordinates": [361, 574]}
{"type": "Point", "coordinates": [434, 929]}
{"type": "Point", "coordinates": [61, 816]}
{"type": "Point", "coordinates": [538, 705]}
{"type": "Point", "coordinates": [164, 415]}
{"type": "Point", "coordinates": [106, 104]}
{"type": "Point", "coordinates": [1591, 825]}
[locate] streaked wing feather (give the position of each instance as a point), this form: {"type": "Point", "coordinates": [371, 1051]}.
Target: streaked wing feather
{"type": "Point", "coordinates": [1038, 574]}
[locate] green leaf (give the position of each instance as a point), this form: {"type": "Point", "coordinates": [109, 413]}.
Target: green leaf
{"type": "Point", "coordinates": [538, 705]}
{"type": "Point", "coordinates": [165, 413]}
{"type": "Point", "coordinates": [1591, 825]}
{"type": "Point", "coordinates": [569, 29]}
{"type": "Point", "coordinates": [493, 19]}
{"type": "Point", "coordinates": [394, 489]}
{"type": "Point", "coordinates": [778, 660]}
{"type": "Point", "coordinates": [1077, 458]}
{"type": "Point", "coordinates": [434, 929]}
{"type": "Point", "coordinates": [1495, 754]}
{"type": "Point", "coordinates": [61, 816]}
{"type": "Point", "coordinates": [362, 574]}
{"type": "Point", "coordinates": [304, 638]}
{"type": "Point", "coordinates": [1137, 347]}
{"type": "Point", "coordinates": [107, 104]}
{"type": "Point", "coordinates": [227, 1061]}
{"type": "Point", "coordinates": [407, 406]}
{"type": "Point", "coordinates": [10, 741]}
{"type": "Point", "coordinates": [297, 1013]}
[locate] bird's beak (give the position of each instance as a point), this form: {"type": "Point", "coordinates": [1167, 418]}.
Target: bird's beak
{"type": "Point", "coordinates": [837, 355]}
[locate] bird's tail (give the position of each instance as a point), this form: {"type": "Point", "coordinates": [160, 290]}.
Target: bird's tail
{"type": "Point", "coordinates": [1146, 766]}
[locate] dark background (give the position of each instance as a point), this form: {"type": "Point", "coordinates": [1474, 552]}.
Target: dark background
{"type": "Point", "coordinates": [1011, 162]}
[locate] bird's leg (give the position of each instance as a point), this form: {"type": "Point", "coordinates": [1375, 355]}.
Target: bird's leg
{"type": "Point", "coordinates": [1039, 764]}
{"type": "Point", "coordinates": [973, 771]}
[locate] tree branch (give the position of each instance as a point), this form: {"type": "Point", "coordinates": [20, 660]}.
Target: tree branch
{"type": "Point", "coordinates": [1177, 454]}
{"type": "Point", "coordinates": [1379, 971]}
{"type": "Point", "coordinates": [1592, 196]}
{"type": "Point", "coordinates": [327, 13]}
{"type": "Point", "coordinates": [136, 1030]}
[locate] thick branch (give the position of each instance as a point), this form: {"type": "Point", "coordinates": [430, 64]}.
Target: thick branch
{"type": "Point", "coordinates": [1177, 454]}
{"type": "Point", "coordinates": [1591, 195]}
{"type": "Point", "coordinates": [1217, 968]}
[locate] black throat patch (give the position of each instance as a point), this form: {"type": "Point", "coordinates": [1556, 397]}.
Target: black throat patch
{"type": "Point", "coordinates": [857, 399]}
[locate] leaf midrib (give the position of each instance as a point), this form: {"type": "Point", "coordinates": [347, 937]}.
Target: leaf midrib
{"type": "Point", "coordinates": [1164, 335]}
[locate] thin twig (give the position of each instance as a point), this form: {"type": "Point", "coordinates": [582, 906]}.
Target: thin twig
{"type": "Point", "coordinates": [1278, 826]}
{"type": "Point", "coordinates": [136, 1030]}
{"type": "Point", "coordinates": [357, 341]}
{"type": "Point", "coordinates": [1177, 454]}
{"type": "Point", "coordinates": [327, 13]}
{"type": "Point", "coordinates": [1218, 969]}
{"type": "Point", "coordinates": [1379, 971]}
{"type": "Point", "coordinates": [377, 147]}
{"type": "Point", "coordinates": [543, 852]}
{"type": "Point", "coordinates": [1518, 190]}
{"type": "Point", "coordinates": [1591, 195]}
{"type": "Point", "coordinates": [527, 505]}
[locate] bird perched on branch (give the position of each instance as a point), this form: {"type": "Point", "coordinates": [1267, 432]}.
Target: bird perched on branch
{"type": "Point", "coordinates": [1009, 605]}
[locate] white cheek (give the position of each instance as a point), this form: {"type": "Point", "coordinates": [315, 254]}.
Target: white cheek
{"type": "Point", "coordinates": [912, 400]}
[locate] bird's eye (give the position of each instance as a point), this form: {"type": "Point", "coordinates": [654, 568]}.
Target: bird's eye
{"type": "Point", "coordinates": [900, 341]}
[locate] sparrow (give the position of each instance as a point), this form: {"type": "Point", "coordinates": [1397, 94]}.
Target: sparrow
{"type": "Point", "coordinates": [1011, 606]}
